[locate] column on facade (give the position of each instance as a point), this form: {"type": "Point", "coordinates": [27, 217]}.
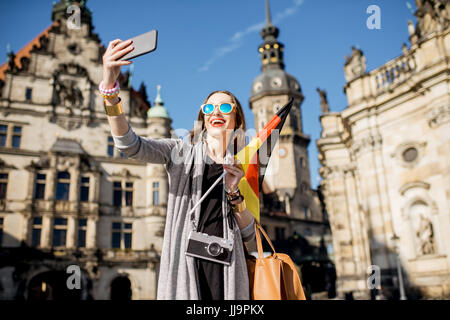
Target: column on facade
{"type": "Point", "coordinates": [71, 231]}
{"type": "Point", "coordinates": [74, 184]}
{"type": "Point", "coordinates": [51, 184]}
{"type": "Point", "coordinates": [46, 231]}
{"type": "Point", "coordinates": [353, 206]}
{"type": "Point", "coordinates": [26, 228]}
{"type": "Point", "coordinates": [344, 230]}
{"type": "Point", "coordinates": [91, 233]}
{"type": "Point", "coordinates": [371, 189]}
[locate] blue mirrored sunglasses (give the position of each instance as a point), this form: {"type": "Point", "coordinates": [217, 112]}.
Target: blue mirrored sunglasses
{"type": "Point", "coordinates": [224, 108]}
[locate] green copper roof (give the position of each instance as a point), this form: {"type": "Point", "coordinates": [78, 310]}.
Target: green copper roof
{"type": "Point", "coordinates": [158, 110]}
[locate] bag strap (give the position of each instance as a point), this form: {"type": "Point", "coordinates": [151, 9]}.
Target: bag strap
{"type": "Point", "coordinates": [258, 229]}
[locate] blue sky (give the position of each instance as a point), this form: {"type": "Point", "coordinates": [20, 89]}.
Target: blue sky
{"type": "Point", "coordinates": [206, 45]}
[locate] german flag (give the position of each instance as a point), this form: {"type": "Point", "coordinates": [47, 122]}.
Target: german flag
{"type": "Point", "coordinates": [249, 157]}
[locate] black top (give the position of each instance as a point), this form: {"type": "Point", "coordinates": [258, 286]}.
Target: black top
{"type": "Point", "coordinates": [211, 222]}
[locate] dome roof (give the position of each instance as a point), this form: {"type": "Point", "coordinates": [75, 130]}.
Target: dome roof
{"type": "Point", "coordinates": [274, 80]}
{"type": "Point", "coordinates": [158, 110]}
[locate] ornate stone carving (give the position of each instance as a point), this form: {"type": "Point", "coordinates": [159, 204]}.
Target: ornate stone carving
{"type": "Point", "coordinates": [68, 93]}
{"type": "Point", "coordinates": [4, 165]}
{"type": "Point", "coordinates": [355, 65]}
{"type": "Point", "coordinates": [65, 163]}
{"type": "Point", "coordinates": [368, 142]}
{"type": "Point", "coordinates": [42, 163]}
{"type": "Point", "coordinates": [68, 123]}
{"type": "Point", "coordinates": [432, 15]}
{"type": "Point", "coordinates": [125, 173]}
{"type": "Point", "coordinates": [425, 236]}
{"type": "Point", "coordinates": [324, 107]}
{"type": "Point", "coordinates": [438, 116]}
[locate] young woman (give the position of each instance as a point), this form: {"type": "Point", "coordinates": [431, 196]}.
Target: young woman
{"type": "Point", "coordinates": [192, 169]}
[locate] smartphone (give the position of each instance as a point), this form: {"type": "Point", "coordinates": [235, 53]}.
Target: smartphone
{"type": "Point", "coordinates": [143, 44]}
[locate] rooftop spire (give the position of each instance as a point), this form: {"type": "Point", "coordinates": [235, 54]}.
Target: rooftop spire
{"type": "Point", "coordinates": [269, 22]}
{"type": "Point", "coordinates": [158, 100]}
{"type": "Point", "coordinates": [269, 32]}
{"type": "Point", "coordinates": [271, 50]}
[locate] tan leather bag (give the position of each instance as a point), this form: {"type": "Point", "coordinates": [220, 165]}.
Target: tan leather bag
{"type": "Point", "coordinates": [274, 277]}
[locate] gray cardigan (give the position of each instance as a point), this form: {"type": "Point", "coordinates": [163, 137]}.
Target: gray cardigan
{"type": "Point", "coordinates": [184, 163]}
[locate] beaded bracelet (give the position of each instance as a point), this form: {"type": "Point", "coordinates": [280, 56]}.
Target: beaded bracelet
{"type": "Point", "coordinates": [109, 93]}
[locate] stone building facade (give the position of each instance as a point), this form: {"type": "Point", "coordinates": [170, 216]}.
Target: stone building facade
{"type": "Point", "coordinates": [67, 196]}
{"type": "Point", "coordinates": [386, 165]}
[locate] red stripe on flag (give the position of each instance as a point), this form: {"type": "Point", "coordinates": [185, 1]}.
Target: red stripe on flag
{"type": "Point", "coordinates": [267, 130]}
{"type": "Point", "coordinates": [252, 174]}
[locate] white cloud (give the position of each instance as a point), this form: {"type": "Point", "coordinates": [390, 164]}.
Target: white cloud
{"type": "Point", "coordinates": [236, 41]}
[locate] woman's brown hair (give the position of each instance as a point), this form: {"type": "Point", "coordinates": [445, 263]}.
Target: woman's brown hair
{"type": "Point", "coordinates": [200, 126]}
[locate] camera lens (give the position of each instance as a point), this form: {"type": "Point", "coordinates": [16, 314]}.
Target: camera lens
{"type": "Point", "coordinates": [214, 249]}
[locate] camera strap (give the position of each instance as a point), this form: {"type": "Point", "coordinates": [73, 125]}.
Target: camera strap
{"type": "Point", "coordinates": [192, 212]}
{"type": "Point", "coordinates": [231, 145]}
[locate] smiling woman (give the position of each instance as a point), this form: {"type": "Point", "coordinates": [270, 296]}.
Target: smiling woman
{"type": "Point", "coordinates": [189, 269]}
{"type": "Point", "coordinates": [213, 97]}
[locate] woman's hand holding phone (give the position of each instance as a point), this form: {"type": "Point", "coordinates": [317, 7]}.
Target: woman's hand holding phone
{"type": "Point", "coordinates": [111, 65]}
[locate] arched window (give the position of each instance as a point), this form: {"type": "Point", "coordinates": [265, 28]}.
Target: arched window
{"type": "Point", "coordinates": [121, 288]}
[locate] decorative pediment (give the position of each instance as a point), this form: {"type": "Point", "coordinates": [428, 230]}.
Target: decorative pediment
{"type": "Point", "coordinates": [125, 173]}
{"type": "Point", "coordinates": [67, 145]}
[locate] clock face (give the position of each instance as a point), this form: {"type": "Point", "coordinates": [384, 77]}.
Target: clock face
{"type": "Point", "coordinates": [276, 108]}
{"type": "Point", "coordinates": [282, 152]}
{"type": "Point", "coordinates": [276, 82]}
{"type": "Point", "coordinates": [257, 86]}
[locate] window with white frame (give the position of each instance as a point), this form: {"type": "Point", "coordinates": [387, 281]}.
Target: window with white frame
{"type": "Point", "coordinates": [36, 232]}
{"type": "Point", "coordinates": [39, 186]}
{"type": "Point", "coordinates": [155, 193]}
{"type": "Point", "coordinates": [3, 185]}
{"type": "Point", "coordinates": [59, 232]}
{"type": "Point", "coordinates": [63, 185]}
{"type": "Point", "coordinates": [122, 193]}
{"type": "Point", "coordinates": [122, 235]}
{"type": "Point", "coordinates": [84, 189]}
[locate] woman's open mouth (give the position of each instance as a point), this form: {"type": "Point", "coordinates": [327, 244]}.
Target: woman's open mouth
{"type": "Point", "coordinates": [217, 122]}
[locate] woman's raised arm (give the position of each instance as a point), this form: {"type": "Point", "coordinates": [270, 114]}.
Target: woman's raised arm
{"type": "Point", "coordinates": [132, 145]}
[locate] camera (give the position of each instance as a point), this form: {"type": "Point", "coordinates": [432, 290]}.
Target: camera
{"type": "Point", "coordinates": [212, 248]}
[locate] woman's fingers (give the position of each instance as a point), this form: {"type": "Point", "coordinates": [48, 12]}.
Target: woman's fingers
{"type": "Point", "coordinates": [120, 63]}
{"type": "Point", "coordinates": [233, 170]}
{"type": "Point", "coordinates": [120, 46]}
{"type": "Point", "coordinates": [121, 53]}
{"type": "Point", "coordinates": [113, 43]}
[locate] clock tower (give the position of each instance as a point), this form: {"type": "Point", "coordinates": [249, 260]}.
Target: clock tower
{"type": "Point", "coordinates": [287, 176]}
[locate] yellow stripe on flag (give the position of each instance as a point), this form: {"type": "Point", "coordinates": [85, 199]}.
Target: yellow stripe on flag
{"type": "Point", "coordinates": [251, 199]}
{"type": "Point", "coordinates": [245, 156]}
